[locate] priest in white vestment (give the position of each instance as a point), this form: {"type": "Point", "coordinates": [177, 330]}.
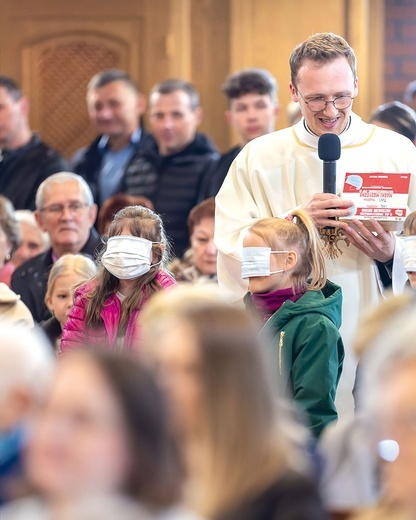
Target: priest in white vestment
{"type": "Point", "coordinates": [280, 171]}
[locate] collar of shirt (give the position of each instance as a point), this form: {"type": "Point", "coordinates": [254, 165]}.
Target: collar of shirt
{"type": "Point", "coordinates": [356, 132]}
{"type": "Point", "coordinates": [134, 139]}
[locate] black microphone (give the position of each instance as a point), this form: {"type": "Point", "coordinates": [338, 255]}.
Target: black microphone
{"type": "Point", "coordinates": [329, 151]}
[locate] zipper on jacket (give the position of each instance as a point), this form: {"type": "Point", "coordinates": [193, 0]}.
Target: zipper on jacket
{"type": "Point", "coordinates": [282, 335]}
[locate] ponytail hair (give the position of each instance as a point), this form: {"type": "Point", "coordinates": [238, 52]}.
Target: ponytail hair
{"type": "Point", "coordinates": [297, 232]}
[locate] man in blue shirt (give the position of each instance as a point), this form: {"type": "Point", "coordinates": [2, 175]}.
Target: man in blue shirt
{"type": "Point", "coordinates": [114, 106]}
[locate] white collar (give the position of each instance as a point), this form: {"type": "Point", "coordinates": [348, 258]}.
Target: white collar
{"type": "Point", "coordinates": [356, 132]}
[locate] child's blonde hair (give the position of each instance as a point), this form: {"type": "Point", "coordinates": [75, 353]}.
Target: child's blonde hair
{"type": "Point", "coordinates": [70, 264]}
{"type": "Point", "coordinates": [409, 226]}
{"type": "Point", "coordinates": [298, 233]}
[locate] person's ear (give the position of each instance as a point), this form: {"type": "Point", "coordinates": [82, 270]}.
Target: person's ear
{"type": "Point", "coordinates": [92, 214]}
{"type": "Point", "coordinates": [291, 260]}
{"type": "Point", "coordinates": [48, 301]}
{"type": "Point", "coordinates": [162, 250]}
{"type": "Point", "coordinates": [39, 220]}
{"type": "Point", "coordinates": [24, 105]}
{"type": "Point", "coordinates": [8, 251]}
{"type": "Point", "coordinates": [276, 111]}
{"type": "Point", "coordinates": [355, 87]}
{"type": "Point", "coordinates": [293, 92]}
{"type": "Point", "coordinates": [16, 407]}
{"type": "Point", "coordinates": [199, 113]}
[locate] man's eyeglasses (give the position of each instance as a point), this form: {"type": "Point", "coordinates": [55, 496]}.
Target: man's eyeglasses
{"type": "Point", "coordinates": [75, 208]}
{"type": "Point", "coordinates": [319, 104]}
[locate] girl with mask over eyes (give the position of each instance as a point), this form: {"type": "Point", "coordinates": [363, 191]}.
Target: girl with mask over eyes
{"type": "Point", "coordinates": [301, 311]}
{"type": "Point", "coordinates": [130, 270]}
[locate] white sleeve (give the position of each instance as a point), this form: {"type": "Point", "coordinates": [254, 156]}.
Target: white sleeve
{"type": "Point", "coordinates": [235, 212]}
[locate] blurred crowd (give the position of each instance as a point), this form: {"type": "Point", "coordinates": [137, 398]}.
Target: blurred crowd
{"type": "Point", "coordinates": [189, 334]}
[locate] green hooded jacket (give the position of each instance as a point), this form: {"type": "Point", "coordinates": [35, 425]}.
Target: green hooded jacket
{"type": "Point", "coordinates": [308, 352]}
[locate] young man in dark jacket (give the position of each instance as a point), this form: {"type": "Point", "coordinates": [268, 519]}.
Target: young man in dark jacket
{"type": "Point", "coordinates": [252, 111]}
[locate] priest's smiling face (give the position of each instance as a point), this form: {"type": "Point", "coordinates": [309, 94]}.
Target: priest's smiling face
{"type": "Point", "coordinates": [324, 81]}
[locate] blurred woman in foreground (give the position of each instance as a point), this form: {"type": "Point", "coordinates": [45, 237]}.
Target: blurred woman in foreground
{"type": "Point", "coordinates": [101, 441]}
{"type": "Point", "coordinates": [240, 461]}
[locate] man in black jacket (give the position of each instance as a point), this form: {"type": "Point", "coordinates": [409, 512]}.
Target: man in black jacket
{"type": "Point", "coordinates": [25, 161]}
{"type": "Point", "coordinates": [171, 165]}
{"type": "Point", "coordinates": [115, 106]}
{"type": "Point", "coordinates": [252, 111]}
{"type": "Point", "coordinates": [66, 211]}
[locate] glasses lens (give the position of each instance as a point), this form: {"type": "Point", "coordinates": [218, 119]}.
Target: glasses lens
{"type": "Point", "coordinates": [76, 207]}
{"type": "Point", "coordinates": [342, 102]}
{"type": "Point", "coordinates": [316, 105]}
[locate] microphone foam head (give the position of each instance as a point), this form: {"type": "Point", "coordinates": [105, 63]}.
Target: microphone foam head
{"type": "Point", "coordinates": [329, 147]}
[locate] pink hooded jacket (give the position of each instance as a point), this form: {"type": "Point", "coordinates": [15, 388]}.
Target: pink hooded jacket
{"type": "Point", "coordinates": [77, 335]}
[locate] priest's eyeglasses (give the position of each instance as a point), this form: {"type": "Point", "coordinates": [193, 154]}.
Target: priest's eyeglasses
{"type": "Point", "coordinates": [319, 104]}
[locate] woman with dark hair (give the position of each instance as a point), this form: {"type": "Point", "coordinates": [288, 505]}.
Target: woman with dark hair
{"type": "Point", "coordinates": [199, 263]}
{"type": "Point", "coordinates": [114, 204]}
{"type": "Point", "coordinates": [241, 462]}
{"type": "Point", "coordinates": [396, 116]}
{"type": "Point", "coordinates": [101, 438]}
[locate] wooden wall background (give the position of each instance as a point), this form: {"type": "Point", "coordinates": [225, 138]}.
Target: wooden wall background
{"type": "Point", "coordinates": [53, 47]}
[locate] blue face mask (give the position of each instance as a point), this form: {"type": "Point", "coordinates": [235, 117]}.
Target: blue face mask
{"type": "Point", "coordinates": [255, 262]}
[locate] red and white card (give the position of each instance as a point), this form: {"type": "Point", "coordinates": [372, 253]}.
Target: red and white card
{"type": "Point", "coordinates": [382, 196]}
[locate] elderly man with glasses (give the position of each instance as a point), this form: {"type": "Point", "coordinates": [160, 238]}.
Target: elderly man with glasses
{"type": "Point", "coordinates": [281, 170]}
{"type": "Point", "coordinates": [66, 211]}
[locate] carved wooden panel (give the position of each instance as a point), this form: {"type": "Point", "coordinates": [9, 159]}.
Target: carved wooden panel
{"type": "Point", "coordinates": [59, 71]}
{"type": "Point", "coordinates": [63, 72]}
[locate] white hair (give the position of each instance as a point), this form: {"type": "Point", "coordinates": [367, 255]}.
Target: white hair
{"type": "Point", "coordinates": [26, 216]}
{"type": "Point", "coordinates": [60, 178]}
{"type": "Point", "coordinates": [26, 360]}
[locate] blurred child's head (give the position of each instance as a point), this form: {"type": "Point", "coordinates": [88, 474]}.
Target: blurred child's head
{"type": "Point", "coordinates": [280, 253]}
{"type": "Point", "coordinates": [409, 248]}
{"type": "Point", "coordinates": [66, 274]}
{"type": "Point", "coordinates": [211, 362]}
{"type": "Point", "coordinates": [409, 258]}
{"type": "Point", "coordinates": [409, 226]}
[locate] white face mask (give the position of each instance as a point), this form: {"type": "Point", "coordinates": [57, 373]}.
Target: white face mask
{"type": "Point", "coordinates": [409, 254]}
{"type": "Point", "coordinates": [128, 257]}
{"type": "Point", "coordinates": [256, 262]}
